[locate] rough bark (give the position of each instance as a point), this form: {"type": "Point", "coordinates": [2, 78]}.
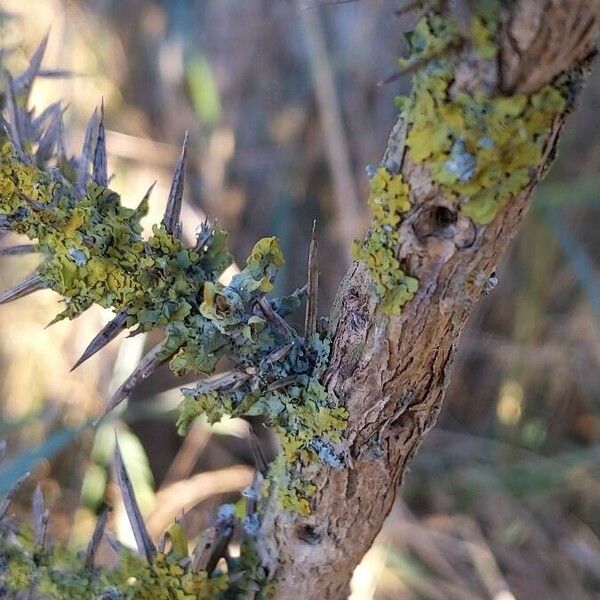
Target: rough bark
{"type": "Point", "coordinates": [390, 372]}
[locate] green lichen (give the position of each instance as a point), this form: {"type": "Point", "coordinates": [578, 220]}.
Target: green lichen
{"type": "Point", "coordinates": [57, 573]}
{"type": "Point", "coordinates": [388, 200]}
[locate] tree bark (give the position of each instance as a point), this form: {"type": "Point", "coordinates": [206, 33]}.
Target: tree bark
{"type": "Point", "coordinates": [390, 372]}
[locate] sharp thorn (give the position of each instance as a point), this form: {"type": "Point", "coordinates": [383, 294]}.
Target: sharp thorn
{"type": "Point", "coordinates": [310, 320]}
{"type": "Point", "coordinates": [20, 249]}
{"type": "Point", "coordinates": [92, 549]}
{"type": "Point", "coordinates": [229, 380]}
{"type": "Point", "coordinates": [86, 154]}
{"type": "Point", "coordinates": [39, 517]}
{"type": "Point", "coordinates": [7, 500]}
{"type": "Point", "coordinates": [108, 333]}
{"type": "Point", "coordinates": [147, 366]}
{"type": "Point", "coordinates": [99, 166]}
{"type": "Point", "coordinates": [51, 137]}
{"type": "Point", "coordinates": [172, 218]}
{"type": "Point", "coordinates": [23, 82]}
{"type": "Point", "coordinates": [260, 461]}
{"type": "Point", "coordinates": [15, 128]}
{"type": "Point", "coordinates": [30, 284]}
{"type": "Point", "coordinates": [277, 320]}
{"type": "Point", "coordinates": [143, 540]}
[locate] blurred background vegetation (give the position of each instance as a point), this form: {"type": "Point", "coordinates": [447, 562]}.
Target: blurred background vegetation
{"type": "Point", "coordinates": [284, 110]}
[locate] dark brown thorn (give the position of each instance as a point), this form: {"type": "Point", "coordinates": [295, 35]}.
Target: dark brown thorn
{"type": "Point", "coordinates": [204, 235]}
{"type": "Point", "coordinates": [421, 62]}
{"type": "Point", "coordinates": [7, 500]}
{"type": "Point", "coordinates": [140, 533]}
{"type": "Point", "coordinates": [278, 354]}
{"type": "Point", "coordinates": [24, 82]}
{"type": "Point", "coordinates": [39, 518]}
{"type": "Point", "coordinates": [113, 542]}
{"type": "Point", "coordinates": [15, 129]}
{"type": "Point", "coordinates": [94, 544]}
{"type": "Point", "coordinates": [146, 367]}
{"type": "Point", "coordinates": [20, 249]}
{"type": "Point", "coordinates": [108, 333]}
{"type": "Point", "coordinates": [230, 380]}
{"type": "Point", "coordinates": [57, 74]}
{"type": "Point", "coordinates": [86, 154]}
{"type": "Point", "coordinates": [277, 320]}
{"type": "Point", "coordinates": [29, 285]}
{"type": "Point", "coordinates": [282, 383]}
{"type": "Point", "coordinates": [260, 461]}
{"type": "Point", "coordinates": [310, 319]}
{"type": "Point", "coordinates": [172, 218]}
{"type": "Point", "coordinates": [51, 136]}
{"type": "Point", "coordinates": [38, 206]}
{"type": "Point", "coordinates": [99, 165]}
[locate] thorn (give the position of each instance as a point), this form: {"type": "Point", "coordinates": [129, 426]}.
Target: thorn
{"type": "Point", "coordinates": [6, 501]}
{"type": "Point", "coordinates": [277, 320]}
{"type": "Point", "coordinates": [92, 549]}
{"type": "Point", "coordinates": [108, 333]}
{"type": "Point", "coordinates": [24, 82]}
{"type": "Point", "coordinates": [86, 154]}
{"type": "Point", "coordinates": [204, 234]}
{"type": "Point", "coordinates": [114, 543]}
{"type": "Point", "coordinates": [30, 284]}
{"type": "Point", "coordinates": [310, 319]}
{"type": "Point", "coordinates": [99, 166]}
{"type": "Point", "coordinates": [172, 218]}
{"type": "Point", "coordinates": [2, 449]}
{"type": "Point", "coordinates": [15, 128]}
{"type": "Point", "coordinates": [260, 461]}
{"type": "Point", "coordinates": [20, 249]}
{"type": "Point", "coordinates": [39, 517]}
{"type": "Point", "coordinates": [140, 533]}
{"type": "Point", "coordinates": [51, 136]}
{"type": "Point", "coordinates": [229, 380]}
{"type": "Point", "coordinates": [147, 366]}
{"type": "Point", "coordinates": [278, 354]}
{"type": "Point", "coordinates": [421, 62]}
{"type": "Point", "coordinates": [142, 207]}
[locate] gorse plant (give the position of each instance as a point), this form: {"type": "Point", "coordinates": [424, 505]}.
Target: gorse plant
{"type": "Point", "coordinates": [469, 145]}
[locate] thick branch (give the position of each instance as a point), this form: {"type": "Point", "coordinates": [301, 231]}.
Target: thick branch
{"type": "Point", "coordinates": [390, 372]}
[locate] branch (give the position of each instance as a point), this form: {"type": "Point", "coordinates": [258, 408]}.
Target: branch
{"type": "Point", "coordinates": [474, 139]}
